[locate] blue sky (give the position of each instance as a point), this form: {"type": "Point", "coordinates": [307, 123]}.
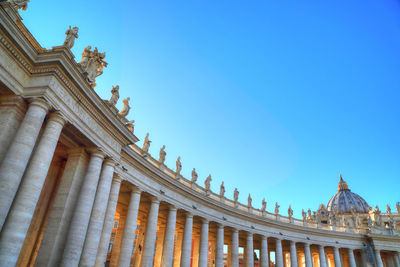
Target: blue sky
{"type": "Point", "coordinates": [273, 97]}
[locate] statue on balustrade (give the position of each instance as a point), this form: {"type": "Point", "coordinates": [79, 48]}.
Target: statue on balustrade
{"type": "Point", "coordinates": [130, 125]}
{"type": "Point", "coordinates": [161, 159]}
{"type": "Point", "coordinates": [146, 144]}
{"type": "Point", "coordinates": [249, 200]}
{"type": "Point", "coordinates": [276, 208]}
{"type": "Point", "coordinates": [222, 190]}
{"type": "Point", "coordinates": [178, 166]}
{"type": "Point", "coordinates": [207, 182]}
{"type": "Point", "coordinates": [72, 34]}
{"type": "Point", "coordinates": [20, 4]}
{"type": "Point", "coordinates": [304, 215]}
{"type": "Point", "coordinates": [194, 176]}
{"type": "Point", "coordinates": [332, 218]}
{"type": "Point", "coordinates": [309, 214]}
{"type": "Point", "coordinates": [398, 207]}
{"type": "Point", "coordinates": [377, 216]}
{"type": "Point", "coordinates": [263, 205]}
{"type": "Point", "coordinates": [290, 212]}
{"type": "Point", "coordinates": [388, 210]}
{"type": "Point", "coordinates": [235, 195]}
{"type": "Point", "coordinates": [92, 64]}
{"type": "Point", "coordinates": [125, 110]}
{"type": "Point", "coordinates": [114, 95]}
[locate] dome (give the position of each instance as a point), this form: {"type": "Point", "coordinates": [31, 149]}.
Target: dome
{"type": "Point", "coordinates": [344, 201]}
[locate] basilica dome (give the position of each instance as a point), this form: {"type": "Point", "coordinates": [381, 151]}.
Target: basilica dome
{"type": "Point", "coordinates": [344, 201]}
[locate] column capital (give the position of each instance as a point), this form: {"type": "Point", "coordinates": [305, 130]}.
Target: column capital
{"type": "Point", "coordinates": [306, 244]}
{"type": "Point", "coordinates": [40, 102]}
{"type": "Point", "coordinates": [76, 151]}
{"type": "Point", "coordinates": [96, 152]}
{"type": "Point", "coordinates": [249, 234]}
{"type": "Point", "coordinates": [109, 162]}
{"type": "Point", "coordinates": [235, 230]}
{"type": "Point", "coordinates": [189, 214]}
{"type": "Point", "coordinates": [220, 225]}
{"type": "Point", "coordinates": [57, 117]}
{"type": "Point", "coordinates": [205, 221]}
{"type": "Point", "coordinates": [136, 190]}
{"type": "Point", "coordinates": [292, 242]}
{"type": "Point", "coordinates": [154, 199]}
{"type": "Point", "coordinates": [172, 207]}
{"type": "Point", "coordinates": [117, 178]}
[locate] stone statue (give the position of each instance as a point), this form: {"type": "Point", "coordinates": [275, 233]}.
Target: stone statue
{"type": "Point", "coordinates": [388, 210]}
{"type": "Point", "coordinates": [332, 218]}
{"type": "Point", "coordinates": [130, 125]}
{"type": "Point", "coordinates": [125, 110]}
{"type": "Point", "coordinates": [276, 208]}
{"type": "Point", "coordinates": [114, 95]}
{"type": "Point", "coordinates": [235, 195]}
{"type": "Point", "coordinates": [354, 217]}
{"type": "Point", "coordinates": [309, 213]}
{"type": "Point", "coordinates": [161, 159]}
{"type": "Point", "coordinates": [249, 200]}
{"type": "Point", "coordinates": [304, 215]}
{"type": "Point", "coordinates": [377, 216]}
{"type": "Point", "coordinates": [398, 207]}
{"type": "Point", "coordinates": [207, 182]}
{"type": "Point", "coordinates": [92, 64]}
{"type": "Point", "coordinates": [194, 176]}
{"type": "Point", "coordinates": [290, 212]}
{"type": "Point", "coordinates": [72, 34]}
{"type": "Point", "coordinates": [146, 144]}
{"type": "Point", "coordinates": [222, 190]}
{"type": "Point", "coordinates": [20, 4]}
{"type": "Point", "coordinates": [263, 205]}
{"type": "Point", "coordinates": [178, 166]}
{"type": "Point", "coordinates": [369, 222]}
{"type": "Point", "coordinates": [318, 217]}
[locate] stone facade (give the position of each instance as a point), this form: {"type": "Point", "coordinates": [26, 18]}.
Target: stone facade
{"type": "Point", "coordinates": [77, 191]}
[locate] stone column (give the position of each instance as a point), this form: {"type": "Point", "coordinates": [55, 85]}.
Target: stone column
{"type": "Point", "coordinates": [307, 254]}
{"type": "Point", "coordinates": [219, 256]}
{"type": "Point", "coordinates": [17, 157]}
{"type": "Point", "coordinates": [150, 236]}
{"type": "Point", "coordinates": [378, 258]}
{"type": "Point", "coordinates": [95, 227]}
{"type": "Point", "coordinates": [203, 251]}
{"type": "Point", "coordinates": [20, 216]}
{"type": "Point", "coordinates": [352, 260]}
{"type": "Point", "coordinates": [264, 259]}
{"type": "Point", "coordinates": [55, 234]}
{"type": "Point", "coordinates": [397, 258]}
{"type": "Point", "coordinates": [235, 248]}
{"type": "Point", "coordinates": [336, 256]}
{"type": "Point", "coordinates": [322, 258]}
{"type": "Point", "coordinates": [80, 220]}
{"type": "Point", "coordinates": [12, 111]}
{"type": "Point", "coordinates": [249, 250]}
{"type": "Point", "coordinates": [108, 221]}
{"type": "Point", "coordinates": [187, 241]}
{"type": "Point", "coordinates": [278, 253]}
{"type": "Point", "coordinates": [293, 254]}
{"type": "Point", "coordinates": [168, 247]}
{"type": "Point", "coordinates": [130, 228]}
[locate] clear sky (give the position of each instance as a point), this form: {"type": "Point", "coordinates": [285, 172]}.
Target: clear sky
{"type": "Point", "coordinates": [273, 97]}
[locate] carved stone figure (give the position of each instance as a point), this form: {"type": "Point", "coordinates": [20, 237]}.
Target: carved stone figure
{"type": "Point", "coordinates": [178, 166]}
{"type": "Point", "coordinates": [130, 125]}
{"type": "Point", "coordinates": [194, 176]}
{"type": "Point", "coordinates": [20, 4]}
{"type": "Point", "coordinates": [114, 95]}
{"type": "Point", "coordinates": [161, 159]}
{"type": "Point", "coordinates": [125, 110]}
{"type": "Point", "coordinates": [72, 34]}
{"type": "Point", "coordinates": [309, 213]}
{"type": "Point", "coordinates": [370, 225]}
{"type": "Point", "coordinates": [377, 216]}
{"type": "Point", "coordinates": [207, 182]}
{"type": "Point", "coordinates": [354, 217]}
{"type": "Point", "coordinates": [263, 205]}
{"type": "Point", "coordinates": [92, 64]}
{"type": "Point", "coordinates": [249, 200]}
{"type": "Point", "coordinates": [146, 144]}
{"type": "Point", "coordinates": [304, 215]}
{"type": "Point", "coordinates": [222, 190]}
{"type": "Point", "coordinates": [235, 195]}
{"type": "Point", "coordinates": [290, 212]}
{"type": "Point", "coordinates": [388, 210]}
{"type": "Point", "coordinates": [276, 208]}
{"type": "Point", "coordinates": [332, 218]}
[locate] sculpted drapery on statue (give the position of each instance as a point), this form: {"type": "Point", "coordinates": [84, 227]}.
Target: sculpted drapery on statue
{"type": "Point", "coordinates": [388, 210]}
{"type": "Point", "coordinates": [290, 212]}
{"type": "Point", "coordinates": [92, 64]}
{"type": "Point", "coordinates": [114, 95]}
{"type": "Point", "coordinates": [162, 155]}
{"type": "Point", "coordinates": [207, 182]}
{"type": "Point", "coordinates": [146, 144]}
{"type": "Point", "coordinates": [125, 110]}
{"type": "Point", "coordinates": [263, 205]}
{"type": "Point", "coordinates": [178, 166]}
{"type": "Point", "coordinates": [304, 215]}
{"type": "Point", "coordinates": [194, 176]}
{"type": "Point", "coordinates": [249, 201]}
{"type": "Point", "coordinates": [72, 34]}
{"type": "Point", "coordinates": [235, 195]}
{"type": "Point", "coordinates": [222, 190]}
{"type": "Point", "coordinates": [276, 208]}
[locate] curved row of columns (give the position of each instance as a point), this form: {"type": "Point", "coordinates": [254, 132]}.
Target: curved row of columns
{"type": "Point", "coordinates": [81, 218]}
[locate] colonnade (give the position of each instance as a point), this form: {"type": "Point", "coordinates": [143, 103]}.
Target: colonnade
{"type": "Point", "coordinates": [77, 228]}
